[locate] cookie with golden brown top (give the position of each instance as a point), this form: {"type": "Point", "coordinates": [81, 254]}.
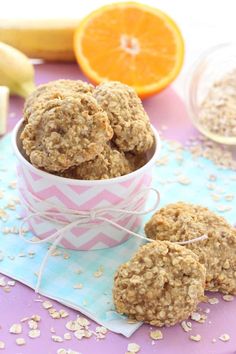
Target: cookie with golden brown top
{"type": "Point", "coordinates": [132, 129]}
{"type": "Point", "coordinates": [65, 132]}
{"type": "Point", "coordinates": [58, 89]}
{"type": "Point", "coordinates": [183, 221]}
{"type": "Point", "coordinates": [162, 284]}
{"type": "Point", "coordinates": [109, 163]}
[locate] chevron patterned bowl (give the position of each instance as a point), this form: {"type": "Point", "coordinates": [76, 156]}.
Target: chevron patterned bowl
{"type": "Point", "coordinates": [46, 192]}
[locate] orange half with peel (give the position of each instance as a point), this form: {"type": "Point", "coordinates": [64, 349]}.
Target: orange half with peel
{"type": "Point", "coordinates": [129, 42]}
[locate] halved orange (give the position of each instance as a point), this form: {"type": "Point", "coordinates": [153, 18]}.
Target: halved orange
{"type": "Point", "coordinates": [132, 43]}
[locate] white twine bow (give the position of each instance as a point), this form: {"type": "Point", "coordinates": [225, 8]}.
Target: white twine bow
{"type": "Point", "coordinates": [81, 217]}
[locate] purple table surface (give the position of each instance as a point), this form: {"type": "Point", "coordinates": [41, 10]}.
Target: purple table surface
{"type": "Point", "coordinates": [164, 109]}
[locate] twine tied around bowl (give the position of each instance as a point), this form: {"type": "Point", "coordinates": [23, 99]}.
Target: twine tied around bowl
{"type": "Point", "coordinates": [81, 217]}
{"type": "Point", "coordinates": [88, 218]}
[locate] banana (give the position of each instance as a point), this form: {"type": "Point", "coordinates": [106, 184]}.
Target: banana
{"type": "Point", "coordinates": [48, 39]}
{"type": "Point", "coordinates": [16, 71]}
{"type": "Point", "coordinates": [4, 102]}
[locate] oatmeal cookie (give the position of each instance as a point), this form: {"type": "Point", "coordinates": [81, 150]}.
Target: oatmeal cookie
{"type": "Point", "coordinates": [58, 89]}
{"type": "Point", "coordinates": [109, 163]}
{"type": "Point", "coordinates": [162, 284]}
{"type": "Point", "coordinates": [66, 132]}
{"type": "Point", "coordinates": [132, 129]}
{"type": "Point", "coordinates": [182, 221]}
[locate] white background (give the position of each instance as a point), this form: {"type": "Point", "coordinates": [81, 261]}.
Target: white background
{"type": "Point", "coordinates": [204, 23]}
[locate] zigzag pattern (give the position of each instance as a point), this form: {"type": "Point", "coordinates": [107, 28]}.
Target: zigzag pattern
{"type": "Point", "coordinates": [77, 197]}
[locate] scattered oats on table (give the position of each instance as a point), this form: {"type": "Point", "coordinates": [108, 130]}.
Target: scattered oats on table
{"type": "Point", "coordinates": [229, 197]}
{"type": "Point", "coordinates": [36, 318]}
{"type": "Point", "coordinates": [196, 338]}
{"type": "Point", "coordinates": [3, 282]}
{"type": "Point", "coordinates": [184, 180]}
{"type": "Point", "coordinates": [101, 329]}
{"type": "Point", "coordinates": [221, 156]}
{"type": "Point", "coordinates": [72, 326]}
{"type": "Point", "coordinates": [133, 348]}
{"type": "Point", "coordinates": [67, 336]}
{"type": "Point", "coordinates": [63, 313]}
{"type": "Point", "coordinates": [224, 208]}
{"type": "Point", "coordinates": [99, 272]}
{"type": "Point", "coordinates": [11, 283]}
{"type": "Point", "coordinates": [20, 341]}
{"type": "Point", "coordinates": [224, 337]}
{"type": "Point", "coordinates": [7, 289]}
{"type": "Point", "coordinates": [34, 333]}
{"type": "Point", "coordinates": [55, 315]}
{"type": "Point", "coordinates": [195, 316]}
{"type": "Point", "coordinates": [47, 305]}
{"type": "Point", "coordinates": [32, 324]}
{"type": "Point", "coordinates": [187, 326]}
{"type": "Point", "coordinates": [78, 286]}
{"type": "Point", "coordinates": [213, 300]}
{"type": "Point", "coordinates": [24, 319]}
{"type": "Point", "coordinates": [82, 321]}
{"type": "Point", "coordinates": [156, 335]}
{"type": "Point", "coordinates": [16, 328]}
{"type": "Point", "coordinates": [228, 297]}
{"type": "Point", "coordinates": [62, 351]}
{"type": "Point", "coordinates": [57, 339]}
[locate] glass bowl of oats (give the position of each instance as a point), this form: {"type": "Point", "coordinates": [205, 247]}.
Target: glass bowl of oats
{"type": "Point", "coordinates": [211, 93]}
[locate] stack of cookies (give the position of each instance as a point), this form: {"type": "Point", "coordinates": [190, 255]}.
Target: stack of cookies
{"type": "Point", "coordinates": [164, 282]}
{"type": "Point", "coordinates": [75, 130]}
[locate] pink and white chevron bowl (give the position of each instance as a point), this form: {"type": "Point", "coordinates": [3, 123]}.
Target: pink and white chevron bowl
{"type": "Point", "coordinates": [81, 195]}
